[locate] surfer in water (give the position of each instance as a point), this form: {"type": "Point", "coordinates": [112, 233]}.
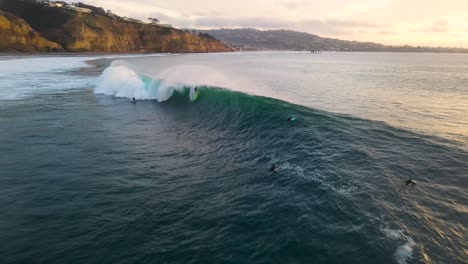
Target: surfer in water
{"type": "Point", "coordinates": [290, 119]}
{"type": "Point", "coordinates": [196, 89]}
{"type": "Point", "coordinates": [273, 168]}
{"type": "Point", "coordinates": [410, 182]}
{"type": "Point", "coordinates": [134, 100]}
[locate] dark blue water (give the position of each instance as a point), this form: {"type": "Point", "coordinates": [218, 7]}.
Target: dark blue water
{"type": "Point", "coordinates": [89, 178]}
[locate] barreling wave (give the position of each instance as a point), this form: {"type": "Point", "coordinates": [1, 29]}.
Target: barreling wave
{"type": "Point", "coordinates": [122, 79]}
{"type": "Point", "coordinates": [217, 102]}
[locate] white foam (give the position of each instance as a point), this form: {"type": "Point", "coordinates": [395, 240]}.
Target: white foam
{"type": "Point", "coordinates": [45, 64]}
{"type": "Point", "coordinates": [121, 82]}
{"type": "Point", "coordinates": [393, 234]}
{"type": "Point", "coordinates": [23, 78]}
{"type": "Point", "coordinates": [342, 189]}
{"type": "Point", "coordinates": [405, 252]}
{"type": "Point", "coordinates": [122, 79]}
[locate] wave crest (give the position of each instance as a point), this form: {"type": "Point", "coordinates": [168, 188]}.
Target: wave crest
{"type": "Point", "coordinates": [122, 79]}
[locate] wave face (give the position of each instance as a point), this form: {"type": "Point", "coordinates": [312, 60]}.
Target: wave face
{"type": "Point", "coordinates": [339, 179]}
{"type": "Point", "coordinates": [121, 79]}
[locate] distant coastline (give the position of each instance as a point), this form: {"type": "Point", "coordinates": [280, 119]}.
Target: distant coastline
{"type": "Point", "coordinates": [254, 39]}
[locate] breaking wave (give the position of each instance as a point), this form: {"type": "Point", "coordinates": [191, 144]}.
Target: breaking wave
{"type": "Point", "coordinates": [122, 79]}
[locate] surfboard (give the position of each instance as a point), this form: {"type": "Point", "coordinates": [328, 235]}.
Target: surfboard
{"type": "Point", "coordinates": [194, 95]}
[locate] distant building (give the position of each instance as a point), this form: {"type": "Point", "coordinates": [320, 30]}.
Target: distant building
{"type": "Point", "coordinates": [165, 25]}
{"type": "Point", "coordinates": [135, 20]}
{"type": "Point", "coordinates": [60, 5]}
{"type": "Point", "coordinates": [79, 9]}
{"type": "Point", "coordinates": [52, 3]}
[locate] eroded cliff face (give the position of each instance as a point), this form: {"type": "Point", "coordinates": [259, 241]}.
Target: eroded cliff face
{"type": "Point", "coordinates": [99, 32]}
{"type": "Point", "coordinates": [17, 36]}
{"type": "Point", "coordinates": [90, 32]}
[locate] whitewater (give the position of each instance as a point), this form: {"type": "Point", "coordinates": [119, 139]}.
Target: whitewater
{"type": "Point", "coordinates": [89, 176]}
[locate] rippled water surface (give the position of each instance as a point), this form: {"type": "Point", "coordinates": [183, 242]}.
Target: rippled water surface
{"type": "Point", "coordinates": [87, 176]}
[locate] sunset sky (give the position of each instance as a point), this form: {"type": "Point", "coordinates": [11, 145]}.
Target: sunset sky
{"type": "Point", "coordinates": [414, 22]}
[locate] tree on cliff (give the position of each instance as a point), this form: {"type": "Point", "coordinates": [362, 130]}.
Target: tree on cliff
{"type": "Point", "coordinates": [154, 21]}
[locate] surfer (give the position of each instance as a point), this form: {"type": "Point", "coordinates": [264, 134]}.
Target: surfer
{"type": "Point", "coordinates": [196, 89]}
{"type": "Point", "coordinates": [273, 168]}
{"type": "Point", "coordinates": [291, 118]}
{"type": "Point", "coordinates": [410, 182]}
{"type": "Point", "coordinates": [134, 100]}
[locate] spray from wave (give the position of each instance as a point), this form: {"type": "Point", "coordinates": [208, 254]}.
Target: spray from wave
{"type": "Point", "coordinates": [122, 79]}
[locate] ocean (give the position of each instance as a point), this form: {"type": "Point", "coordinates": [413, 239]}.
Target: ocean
{"type": "Point", "coordinates": [88, 176]}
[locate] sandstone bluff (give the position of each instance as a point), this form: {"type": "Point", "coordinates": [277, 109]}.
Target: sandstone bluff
{"type": "Point", "coordinates": [33, 26]}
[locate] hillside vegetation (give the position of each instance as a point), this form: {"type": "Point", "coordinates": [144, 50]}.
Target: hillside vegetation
{"type": "Point", "coordinates": [99, 32]}
{"type": "Point", "coordinates": [17, 36]}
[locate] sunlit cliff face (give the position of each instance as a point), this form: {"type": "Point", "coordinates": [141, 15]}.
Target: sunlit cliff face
{"type": "Point", "coordinates": [414, 22]}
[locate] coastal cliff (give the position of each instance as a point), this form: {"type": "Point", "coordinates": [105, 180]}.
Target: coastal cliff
{"type": "Point", "coordinates": [89, 32]}
{"type": "Point", "coordinates": [17, 36]}
{"type": "Point", "coordinates": [86, 30]}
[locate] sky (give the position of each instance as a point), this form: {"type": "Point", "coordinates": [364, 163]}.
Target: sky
{"type": "Point", "coordinates": [391, 22]}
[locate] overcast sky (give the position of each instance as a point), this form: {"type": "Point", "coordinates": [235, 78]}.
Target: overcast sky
{"type": "Point", "coordinates": [414, 22]}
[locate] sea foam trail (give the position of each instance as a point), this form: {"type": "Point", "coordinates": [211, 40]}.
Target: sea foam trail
{"type": "Point", "coordinates": [25, 77]}
{"type": "Point", "coordinates": [122, 79]}
{"type": "Point", "coordinates": [405, 252]}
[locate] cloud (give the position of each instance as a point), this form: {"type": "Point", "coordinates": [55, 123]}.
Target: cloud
{"type": "Point", "coordinates": [388, 21]}
{"type": "Point", "coordinates": [386, 32]}
{"type": "Point", "coordinates": [217, 22]}
{"type": "Point", "coordinates": [440, 26]}
{"type": "Point", "coordinates": [329, 27]}
{"type": "Point", "coordinates": [441, 23]}
{"type": "Point", "coordinates": [325, 27]}
{"type": "Point", "coordinates": [293, 4]}
{"type": "Point", "coordinates": [316, 26]}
